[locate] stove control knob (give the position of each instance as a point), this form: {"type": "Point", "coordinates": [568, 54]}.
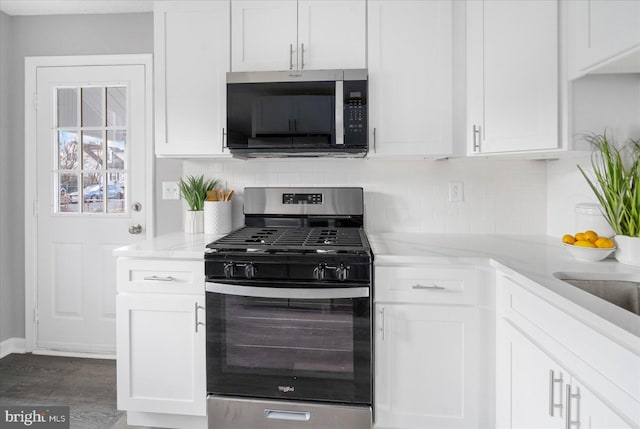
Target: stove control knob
{"type": "Point", "coordinates": [229, 269]}
{"type": "Point", "coordinates": [319, 272]}
{"type": "Point", "coordinates": [342, 272]}
{"type": "Point", "coordinates": [250, 271]}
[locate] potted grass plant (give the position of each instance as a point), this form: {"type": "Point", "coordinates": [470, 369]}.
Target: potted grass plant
{"type": "Point", "coordinates": [615, 181]}
{"type": "Point", "coordinates": [194, 191]}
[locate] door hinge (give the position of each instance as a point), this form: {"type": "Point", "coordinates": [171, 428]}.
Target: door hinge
{"type": "Point", "coordinates": [36, 318]}
{"type": "Point", "coordinates": [35, 101]}
{"type": "Point", "coordinates": [35, 207]}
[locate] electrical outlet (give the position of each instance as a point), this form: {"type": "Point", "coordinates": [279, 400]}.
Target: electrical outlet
{"type": "Point", "coordinates": [456, 192]}
{"type": "Point", "coordinates": [170, 191]}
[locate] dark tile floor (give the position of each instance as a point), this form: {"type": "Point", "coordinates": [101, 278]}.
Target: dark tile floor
{"type": "Point", "coordinates": [88, 386]}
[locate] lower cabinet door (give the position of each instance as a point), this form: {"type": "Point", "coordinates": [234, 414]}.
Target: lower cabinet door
{"type": "Point", "coordinates": [530, 385]}
{"type": "Point", "coordinates": [590, 412]}
{"type": "Point", "coordinates": [427, 367]}
{"type": "Point", "coordinates": [161, 353]}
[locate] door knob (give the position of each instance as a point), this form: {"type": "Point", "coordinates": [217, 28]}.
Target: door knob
{"type": "Point", "coordinates": [135, 229]}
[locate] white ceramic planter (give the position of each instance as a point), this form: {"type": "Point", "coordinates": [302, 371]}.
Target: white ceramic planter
{"type": "Point", "coordinates": [194, 222]}
{"type": "Point", "coordinates": [217, 217]}
{"type": "Point", "coordinates": [628, 251]}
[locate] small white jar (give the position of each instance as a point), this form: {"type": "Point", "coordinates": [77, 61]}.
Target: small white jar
{"type": "Point", "coordinates": [589, 217]}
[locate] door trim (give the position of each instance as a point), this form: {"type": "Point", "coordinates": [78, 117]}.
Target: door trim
{"type": "Point", "coordinates": [31, 65]}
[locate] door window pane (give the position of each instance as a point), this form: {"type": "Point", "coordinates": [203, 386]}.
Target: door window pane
{"type": "Point", "coordinates": [92, 191]}
{"type": "Point", "coordinates": [116, 153]}
{"type": "Point", "coordinates": [116, 195]}
{"type": "Point", "coordinates": [67, 107]}
{"type": "Point", "coordinates": [90, 173]}
{"type": "Point", "coordinates": [67, 150]}
{"type": "Point", "coordinates": [92, 153]}
{"type": "Point", "coordinates": [92, 107]}
{"type": "Point", "coordinates": [116, 106]}
{"type": "Point", "coordinates": [68, 189]}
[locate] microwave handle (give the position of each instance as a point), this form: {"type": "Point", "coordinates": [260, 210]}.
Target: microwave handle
{"type": "Point", "coordinates": [339, 112]}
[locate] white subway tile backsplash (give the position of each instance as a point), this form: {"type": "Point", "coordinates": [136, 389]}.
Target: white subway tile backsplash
{"type": "Point", "coordinates": [500, 196]}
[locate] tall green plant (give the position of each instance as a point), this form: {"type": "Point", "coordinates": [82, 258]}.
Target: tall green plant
{"type": "Point", "coordinates": [194, 190]}
{"type": "Point", "coordinates": [615, 186]}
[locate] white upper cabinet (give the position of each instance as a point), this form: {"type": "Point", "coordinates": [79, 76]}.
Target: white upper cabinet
{"type": "Point", "coordinates": [264, 35]}
{"type": "Point", "coordinates": [191, 57]}
{"type": "Point", "coordinates": [603, 33]}
{"type": "Point", "coordinates": [512, 76]}
{"type": "Point", "coordinates": [331, 34]}
{"type": "Point", "coordinates": [410, 77]}
{"type": "Point", "coordinates": [296, 35]}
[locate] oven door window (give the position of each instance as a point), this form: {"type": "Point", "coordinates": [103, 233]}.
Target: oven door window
{"type": "Point", "coordinates": [307, 349]}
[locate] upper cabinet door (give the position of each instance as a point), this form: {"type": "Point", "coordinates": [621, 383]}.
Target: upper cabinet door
{"type": "Point", "coordinates": [191, 57]}
{"type": "Point", "coordinates": [512, 76]}
{"type": "Point", "coordinates": [331, 34]}
{"type": "Point", "coordinates": [264, 35]}
{"type": "Point", "coordinates": [410, 77]}
{"type": "Point", "coordinates": [599, 31]}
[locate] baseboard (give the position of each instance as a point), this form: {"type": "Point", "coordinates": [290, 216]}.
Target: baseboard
{"type": "Point", "coordinates": [12, 345]}
{"type": "Point", "coordinates": [49, 352]}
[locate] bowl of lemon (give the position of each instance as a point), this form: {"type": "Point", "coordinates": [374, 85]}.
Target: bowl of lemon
{"type": "Point", "coordinates": [588, 246]}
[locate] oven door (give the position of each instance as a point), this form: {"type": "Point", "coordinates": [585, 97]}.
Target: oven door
{"type": "Point", "coordinates": [289, 343]}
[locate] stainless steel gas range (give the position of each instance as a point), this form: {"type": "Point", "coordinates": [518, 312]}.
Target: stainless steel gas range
{"type": "Point", "coordinates": [289, 328]}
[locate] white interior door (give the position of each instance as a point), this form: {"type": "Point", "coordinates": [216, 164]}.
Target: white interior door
{"type": "Point", "coordinates": [91, 125]}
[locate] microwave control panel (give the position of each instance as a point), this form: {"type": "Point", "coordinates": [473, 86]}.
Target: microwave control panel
{"type": "Point", "coordinates": [355, 112]}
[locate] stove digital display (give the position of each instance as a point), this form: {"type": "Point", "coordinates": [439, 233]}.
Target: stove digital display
{"type": "Point", "coordinates": [302, 199]}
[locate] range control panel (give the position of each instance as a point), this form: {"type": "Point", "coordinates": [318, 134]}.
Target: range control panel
{"type": "Point", "coordinates": [302, 199]}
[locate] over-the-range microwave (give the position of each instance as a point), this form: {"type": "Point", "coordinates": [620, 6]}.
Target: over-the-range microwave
{"type": "Point", "coordinates": [302, 113]}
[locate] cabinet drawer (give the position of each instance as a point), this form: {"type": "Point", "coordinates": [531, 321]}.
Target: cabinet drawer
{"type": "Point", "coordinates": [426, 285]}
{"type": "Point", "coordinates": [160, 275]}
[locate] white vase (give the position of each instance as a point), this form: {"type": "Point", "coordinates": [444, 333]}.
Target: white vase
{"type": "Point", "coordinates": [194, 222]}
{"type": "Point", "coordinates": [217, 217]}
{"type": "Point", "coordinates": [628, 249]}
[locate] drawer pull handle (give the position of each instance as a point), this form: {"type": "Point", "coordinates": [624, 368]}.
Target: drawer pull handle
{"type": "Point", "coordinates": [421, 287]}
{"type": "Point", "coordinates": [195, 312]}
{"type": "Point", "coordinates": [552, 382]}
{"type": "Point", "coordinates": [159, 279]}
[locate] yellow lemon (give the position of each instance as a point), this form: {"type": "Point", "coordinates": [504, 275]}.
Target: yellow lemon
{"type": "Point", "coordinates": [604, 243]}
{"type": "Point", "coordinates": [568, 238]}
{"type": "Point", "coordinates": [579, 236]}
{"type": "Point", "coordinates": [590, 236]}
{"type": "Point", "coordinates": [584, 243]}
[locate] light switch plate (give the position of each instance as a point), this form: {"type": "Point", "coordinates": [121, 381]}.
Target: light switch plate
{"type": "Point", "coordinates": [170, 191]}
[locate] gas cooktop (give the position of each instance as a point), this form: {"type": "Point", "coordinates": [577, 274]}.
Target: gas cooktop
{"type": "Point", "coordinates": [293, 239]}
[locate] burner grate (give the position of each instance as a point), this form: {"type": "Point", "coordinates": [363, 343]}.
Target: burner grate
{"type": "Point", "coordinates": [293, 238]}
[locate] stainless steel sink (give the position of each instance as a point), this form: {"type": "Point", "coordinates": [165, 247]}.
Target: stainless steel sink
{"type": "Point", "coordinates": [620, 290]}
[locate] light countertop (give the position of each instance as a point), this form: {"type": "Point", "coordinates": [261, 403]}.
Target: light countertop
{"type": "Point", "coordinates": [535, 258]}
{"type": "Point", "coordinates": [177, 245]}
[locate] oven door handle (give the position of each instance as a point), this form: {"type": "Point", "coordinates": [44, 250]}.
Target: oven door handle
{"type": "Point", "coordinates": [295, 293]}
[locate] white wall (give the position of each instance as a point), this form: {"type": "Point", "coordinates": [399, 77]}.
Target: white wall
{"type": "Point", "coordinates": [499, 196]}
{"type": "Point", "coordinates": [47, 36]}
{"type": "Point", "coordinates": [7, 284]}
{"type": "Point", "coordinates": [599, 102]}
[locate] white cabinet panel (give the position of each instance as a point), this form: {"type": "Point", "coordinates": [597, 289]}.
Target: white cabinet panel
{"type": "Point", "coordinates": [191, 47]}
{"type": "Point", "coordinates": [331, 34]}
{"type": "Point", "coordinates": [264, 35]}
{"type": "Point", "coordinates": [591, 412]}
{"type": "Point", "coordinates": [426, 373]}
{"type": "Point", "coordinates": [161, 354]}
{"type": "Point", "coordinates": [599, 31]}
{"type": "Point", "coordinates": [530, 391]}
{"type": "Point", "coordinates": [292, 35]}
{"type": "Point", "coordinates": [410, 76]}
{"type": "Point", "coordinates": [512, 76]}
